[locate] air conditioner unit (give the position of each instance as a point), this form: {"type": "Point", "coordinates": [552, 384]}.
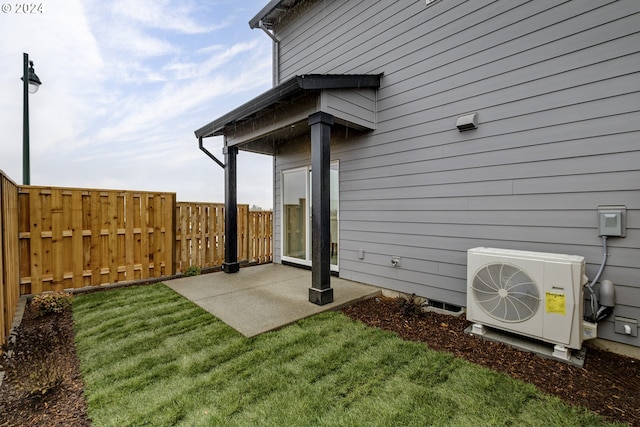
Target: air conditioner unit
{"type": "Point", "coordinates": [534, 294]}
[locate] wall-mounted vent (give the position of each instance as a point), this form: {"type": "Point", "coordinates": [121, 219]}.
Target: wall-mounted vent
{"type": "Point", "coordinates": [468, 122]}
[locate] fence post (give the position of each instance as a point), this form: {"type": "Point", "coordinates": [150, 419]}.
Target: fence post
{"type": "Point", "coordinates": [9, 255]}
{"type": "Point", "coordinates": [170, 234]}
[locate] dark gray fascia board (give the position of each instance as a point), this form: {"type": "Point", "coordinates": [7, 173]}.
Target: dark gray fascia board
{"type": "Point", "coordinates": [338, 81]}
{"type": "Point", "coordinates": [287, 89]}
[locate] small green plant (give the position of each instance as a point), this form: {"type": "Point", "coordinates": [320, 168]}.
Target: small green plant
{"type": "Point", "coordinates": [192, 270]}
{"type": "Point", "coordinates": [56, 302]}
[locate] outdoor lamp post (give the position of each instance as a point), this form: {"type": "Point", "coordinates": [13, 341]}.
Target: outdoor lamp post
{"type": "Point", "coordinates": [30, 84]}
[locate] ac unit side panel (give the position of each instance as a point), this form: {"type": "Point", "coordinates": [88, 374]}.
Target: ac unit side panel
{"type": "Point", "coordinates": [559, 303]}
{"type": "Point", "coordinates": [562, 310]}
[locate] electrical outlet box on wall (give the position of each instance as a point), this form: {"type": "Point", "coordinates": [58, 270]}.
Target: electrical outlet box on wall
{"type": "Point", "coordinates": [612, 221]}
{"type": "Point", "coordinates": [626, 326]}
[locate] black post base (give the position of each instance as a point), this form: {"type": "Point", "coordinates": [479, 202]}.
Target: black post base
{"type": "Point", "coordinates": [321, 297]}
{"type": "Point", "coordinates": [230, 267]}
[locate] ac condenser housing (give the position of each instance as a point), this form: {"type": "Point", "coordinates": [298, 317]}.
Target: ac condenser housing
{"type": "Point", "coordinates": [534, 294]}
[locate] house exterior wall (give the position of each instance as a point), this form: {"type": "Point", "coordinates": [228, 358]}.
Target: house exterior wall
{"type": "Point", "coordinates": [556, 87]}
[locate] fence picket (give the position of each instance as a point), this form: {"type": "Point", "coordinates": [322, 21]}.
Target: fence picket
{"type": "Point", "coordinates": [77, 243]}
{"type": "Point", "coordinates": [144, 235]}
{"type": "Point", "coordinates": [35, 232]}
{"type": "Point", "coordinates": [129, 237]}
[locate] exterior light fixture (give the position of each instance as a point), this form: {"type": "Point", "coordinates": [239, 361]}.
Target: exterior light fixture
{"type": "Point", "coordinates": [30, 83]}
{"type": "Point", "coordinates": [32, 77]}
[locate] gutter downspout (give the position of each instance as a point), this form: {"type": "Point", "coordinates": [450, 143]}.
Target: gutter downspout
{"type": "Point", "coordinates": [230, 264]}
{"type": "Point", "coordinates": [276, 53]}
{"type": "Point", "coordinates": [211, 156]}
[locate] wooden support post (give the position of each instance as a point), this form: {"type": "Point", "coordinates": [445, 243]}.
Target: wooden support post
{"type": "Point", "coordinates": [320, 292]}
{"type": "Point", "coordinates": [230, 264]}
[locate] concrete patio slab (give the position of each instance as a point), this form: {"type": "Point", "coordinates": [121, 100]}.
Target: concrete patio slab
{"type": "Point", "coordinates": [265, 297]}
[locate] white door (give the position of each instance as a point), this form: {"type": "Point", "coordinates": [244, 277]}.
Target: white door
{"type": "Point", "coordinates": [296, 215]}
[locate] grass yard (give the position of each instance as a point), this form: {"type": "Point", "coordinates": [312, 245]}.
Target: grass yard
{"type": "Point", "coordinates": [150, 357]}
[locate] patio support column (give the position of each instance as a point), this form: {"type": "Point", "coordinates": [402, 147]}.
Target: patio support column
{"type": "Point", "coordinates": [320, 292]}
{"type": "Point", "coordinates": [230, 264]}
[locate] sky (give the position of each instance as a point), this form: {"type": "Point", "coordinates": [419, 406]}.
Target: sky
{"type": "Point", "coordinates": [125, 83]}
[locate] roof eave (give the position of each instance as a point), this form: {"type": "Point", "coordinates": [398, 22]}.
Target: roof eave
{"type": "Point", "coordinates": [272, 10]}
{"type": "Point", "coordinates": [301, 83]}
{"type": "Point", "coordinates": [265, 99]}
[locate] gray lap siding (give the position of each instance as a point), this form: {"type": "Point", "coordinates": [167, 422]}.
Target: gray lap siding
{"type": "Point", "coordinates": [556, 87]}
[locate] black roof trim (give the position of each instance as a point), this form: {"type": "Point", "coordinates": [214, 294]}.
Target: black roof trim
{"type": "Point", "coordinates": [287, 89]}
{"type": "Point", "coordinates": [338, 81]}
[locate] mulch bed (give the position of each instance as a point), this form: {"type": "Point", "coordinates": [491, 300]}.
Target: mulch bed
{"type": "Point", "coordinates": [43, 386]}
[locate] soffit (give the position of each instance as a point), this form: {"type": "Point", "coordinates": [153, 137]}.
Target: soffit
{"type": "Point", "coordinates": [291, 101]}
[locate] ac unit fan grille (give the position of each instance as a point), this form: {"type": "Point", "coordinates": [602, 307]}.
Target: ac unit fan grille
{"type": "Point", "coordinates": [505, 292]}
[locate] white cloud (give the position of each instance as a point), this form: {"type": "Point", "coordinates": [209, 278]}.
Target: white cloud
{"type": "Point", "coordinates": [151, 116]}
{"type": "Point", "coordinates": [164, 14]}
{"type": "Point", "coordinates": [125, 84]}
{"type": "Point", "coordinates": [67, 60]}
{"type": "Point", "coordinates": [129, 39]}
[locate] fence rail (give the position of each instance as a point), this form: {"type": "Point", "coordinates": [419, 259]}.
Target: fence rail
{"type": "Point", "coordinates": [9, 266]}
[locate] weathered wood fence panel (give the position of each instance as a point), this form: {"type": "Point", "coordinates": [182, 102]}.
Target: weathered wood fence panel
{"type": "Point", "coordinates": [72, 238]}
{"type": "Point", "coordinates": [261, 236]}
{"type": "Point", "coordinates": [9, 260]}
{"type": "Point", "coordinates": [200, 235]}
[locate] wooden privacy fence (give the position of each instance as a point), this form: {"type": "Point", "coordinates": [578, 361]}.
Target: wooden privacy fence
{"type": "Point", "coordinates": [9, 267]}
{"type": "Point", "coordinates": [72, 238]}
{"type": "Point", "coordinates": [61, 238]}
{"type": "Point", "coordinates": [200, 235]}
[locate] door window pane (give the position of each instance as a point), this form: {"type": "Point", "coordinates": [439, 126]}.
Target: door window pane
{"type": "Point", "coordinates": [334, 213]}
{"type": "Point", "coordinates": [295, 214]}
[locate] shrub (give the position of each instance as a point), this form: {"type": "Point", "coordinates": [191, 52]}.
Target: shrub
{"type": "Point", "coordinates": [412, 305]}
{"type": "Point", "coordinates": [192, 270]}
{"type": "Point", "coordinates": [43, 379]}
{"type": "Point", "coordinates": [56, 302]}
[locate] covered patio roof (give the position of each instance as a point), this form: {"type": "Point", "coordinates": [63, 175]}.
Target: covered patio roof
{"type": "Point", "coordinates": [282, 112]}
{"type": "Point", "coordinates": [307, 106]}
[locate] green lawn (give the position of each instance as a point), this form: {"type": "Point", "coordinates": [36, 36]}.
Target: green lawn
{"type": "Point", "coordinates": [150, 357]}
